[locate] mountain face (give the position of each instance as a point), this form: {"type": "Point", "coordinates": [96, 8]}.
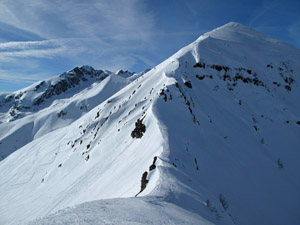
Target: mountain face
{"type": "Point", "coordinates": [28, 99]}
{"type": "Point", "coordinates": [209, 136]}
{"type": "Point", "coordinates": [54, 103]}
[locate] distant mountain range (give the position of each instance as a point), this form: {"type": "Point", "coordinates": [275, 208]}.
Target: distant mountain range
{"type": "Point", "coordinates": [209, 136]}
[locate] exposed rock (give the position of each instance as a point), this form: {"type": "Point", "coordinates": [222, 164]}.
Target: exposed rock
{"type": "Point", "coordinates": [144, 182]}
{"type": "Point", "coordinates": [200, 65]}
{"type": "Point", "coordinates": [139, 129]}
{"type": "Point", "coordinates": [153, 166]}
{"type": "Point", "coordinates": [188, 84]}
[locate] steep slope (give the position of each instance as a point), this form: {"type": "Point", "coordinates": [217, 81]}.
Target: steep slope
{"type": "Point", "coordinates": [41, 94]}
{"type": "Point", "coordinates": [212, 133]}
{"type": "Point", "coordinates": [95, 157]}
{"type": "Point", "coordinates": [238, 144]}
{"type": "Point", "coordinates": [54, 103]}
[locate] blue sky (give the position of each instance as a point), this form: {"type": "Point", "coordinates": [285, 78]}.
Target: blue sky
{"type": "Point", "coordinates": [41, 38]}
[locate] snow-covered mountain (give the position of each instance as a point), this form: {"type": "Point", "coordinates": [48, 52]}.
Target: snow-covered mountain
{"type": "Point", "coordinates": [54, 103]}
{"type": "Point", "coordinates": [209, 136]}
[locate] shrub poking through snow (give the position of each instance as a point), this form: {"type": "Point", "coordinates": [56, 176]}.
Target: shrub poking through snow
{"type": "Point", "coordinates": [139, 129]}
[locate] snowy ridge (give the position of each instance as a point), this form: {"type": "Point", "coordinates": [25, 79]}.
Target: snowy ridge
{"type": "Point", "coordinates": [35, 96]}
{"type": "Point", "coordinates": [61, 99]}
{"type": "Point", "coordinates": [99, 141]}
{"type": "Point", "coordinates": [211, 135]}
{"type": "Point", "coordinates": [41, 94]}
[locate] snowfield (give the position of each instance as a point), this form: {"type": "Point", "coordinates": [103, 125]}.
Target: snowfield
{"type": "Point", "coordinates": [127, 211]}
{"type": "Point", "coordinates": [209, 136]}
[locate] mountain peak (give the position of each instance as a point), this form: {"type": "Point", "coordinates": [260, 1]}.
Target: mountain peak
{"type": "Point", "coordinates": [236, 32]}
{"type": "Point", "coordinates": [232, 29]}
{"type": "Point", "coordinates": [234, 24]}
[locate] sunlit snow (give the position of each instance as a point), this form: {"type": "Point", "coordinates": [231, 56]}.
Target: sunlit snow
{"type": "Point", "coordinates": [220, 144]}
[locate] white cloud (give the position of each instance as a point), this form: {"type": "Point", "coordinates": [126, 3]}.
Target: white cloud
{"type": "Point", "coordinates": [34, 53]}
{"type": "Point", "coordinates": [73, 18]}
{"type": "Point", "coordinates": [104, 34]}
{"type": "Point", "coordinates": [27, 44]}
{"type": "Point", "coordinates": [28, 79]}
{"type": "Point", "coordinates": [10, 51]}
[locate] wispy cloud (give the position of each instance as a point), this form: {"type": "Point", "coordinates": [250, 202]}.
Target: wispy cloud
{"type": "Point", "coordinates": [28, 79]}
{"type": "Point", "coordinates": [109, 34]}
{"type": "Point", "coordinates": [265, 7]}
{"type": "Point", "coordinates": [36, 53]}
{"type": "Point", "coordinates": [50, 19]}
{"type": "Point", "coordinates": [11, 51]}
{"type": "Point", "coordinates": [27, 44]}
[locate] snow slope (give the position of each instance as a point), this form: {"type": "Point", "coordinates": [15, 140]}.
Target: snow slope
{"type": "Point", "coordinates": [54, 103]}
{"type": "Point", "coordinates": [209, 136]}
{"type": "Point", "coordinates": [123, 211]}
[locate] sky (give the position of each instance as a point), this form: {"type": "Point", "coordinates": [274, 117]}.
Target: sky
{"type": "Point", "coordinates": [40, 39]}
